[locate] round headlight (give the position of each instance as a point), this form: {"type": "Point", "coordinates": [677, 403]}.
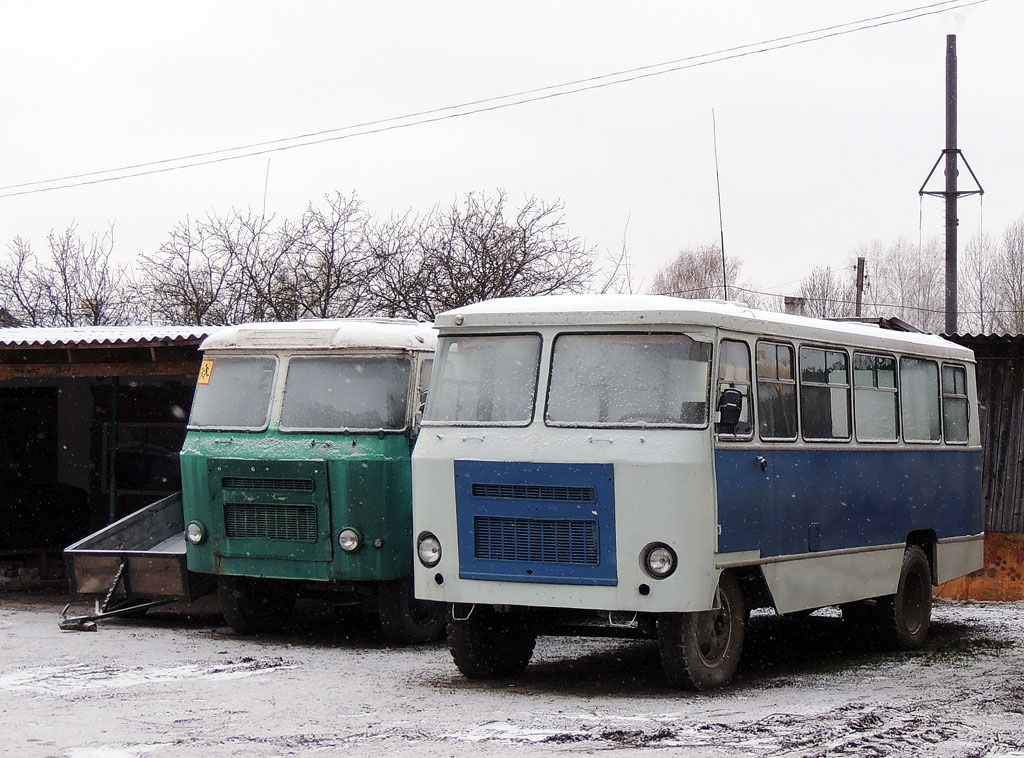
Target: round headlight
{"type": "Point", "coordinates": [195, 533]}
{"type": "Point", "coordinates": [659, 560]}
{"type": "Point", "coordinates": [428, 548]}
{"type": "Point", "coordinates": [349, 540]}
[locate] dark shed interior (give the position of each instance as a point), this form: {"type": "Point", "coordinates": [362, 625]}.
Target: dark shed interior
{"type": "Point", "coordinates": [93, 422]}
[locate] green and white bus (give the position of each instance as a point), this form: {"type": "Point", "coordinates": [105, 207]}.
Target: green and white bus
{"type": "Point", "coordinates": [296, 468]}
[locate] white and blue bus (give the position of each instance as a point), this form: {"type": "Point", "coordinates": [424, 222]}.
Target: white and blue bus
{"type": "Point", "coordinates": [667, 465]}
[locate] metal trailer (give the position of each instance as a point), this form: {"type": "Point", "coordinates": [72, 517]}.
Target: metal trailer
{"type": "Point", "coordinates": [132, 565]}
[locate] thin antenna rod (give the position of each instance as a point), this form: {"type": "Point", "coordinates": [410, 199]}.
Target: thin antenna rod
{"type": "Point", "coordinates": [266, 181]}
{"type": "Point", "coordinates": [721, 227]}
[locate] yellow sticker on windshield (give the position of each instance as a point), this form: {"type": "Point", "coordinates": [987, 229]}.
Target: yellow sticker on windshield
{"type": "Point", "coordinates": [206, 371]}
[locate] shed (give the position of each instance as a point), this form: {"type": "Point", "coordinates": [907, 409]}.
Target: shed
{"type": "Point", "coordinates": [93, 421]}
{"type": "Point", "coordinates": [1000, 372]}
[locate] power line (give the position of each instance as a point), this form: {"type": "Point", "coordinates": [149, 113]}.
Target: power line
{"type": "Point", "coordinates": [484, 105]}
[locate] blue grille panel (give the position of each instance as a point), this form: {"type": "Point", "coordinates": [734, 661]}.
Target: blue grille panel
{"type": "Point", "coordinates": [534, 492]}
{"type": "Point", "coordinates": [536, 522]}
{"type": "Point", "coordinates": [538, 540]}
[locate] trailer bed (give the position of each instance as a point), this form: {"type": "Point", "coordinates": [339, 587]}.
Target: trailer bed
{"type": "Point", "coordinates": [144, 552]}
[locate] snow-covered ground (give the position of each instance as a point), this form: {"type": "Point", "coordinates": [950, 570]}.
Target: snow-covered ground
{"type": "Point", "coordinates": [180, 683]}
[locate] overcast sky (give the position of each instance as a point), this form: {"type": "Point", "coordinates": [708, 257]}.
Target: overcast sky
{"type": "Point", "coordinates": [822, 146]}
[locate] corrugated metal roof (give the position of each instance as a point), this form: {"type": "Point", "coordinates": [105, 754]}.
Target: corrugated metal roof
{"type": "Point", "coordinates": [986, 337]}
{"type": "Point", "coordinates": [31, 336]}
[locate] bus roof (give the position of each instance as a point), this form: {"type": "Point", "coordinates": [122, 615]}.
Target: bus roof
{"type": "Point", "coordinates": [663, 310]}
{"type": "Point", "coordinates": [325, 334]}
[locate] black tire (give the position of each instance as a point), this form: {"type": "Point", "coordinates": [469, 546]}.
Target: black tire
{"type": "Point", "coordinates": [700, 651]}
{"type": "Point", "coordinates": [491, 645]}
{"type": "Point", "coordinates": [904, 618]}
{"type": "Point", "coordinates": [406, 620]}
{"type": "Point", "coordinates": [254, 606]}
{"type": "Point", "coordinates": [900, 620]}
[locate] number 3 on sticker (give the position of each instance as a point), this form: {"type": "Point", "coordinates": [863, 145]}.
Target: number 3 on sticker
{"type": "Point", "coordinates": [206, 371]}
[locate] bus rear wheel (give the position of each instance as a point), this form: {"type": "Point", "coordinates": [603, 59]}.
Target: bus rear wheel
{"type": "Point", "coordinates": [701, 650]}
{"type": "Point", "coordinates": [904, 617]}
{"type": "Point", "coordinates": [406, 620]}
{"type": "Point", "coordinates": [900, 620]}
{"type": "Point", "coordinates": [491, 645]}
{"type": "Point", "coordinates": [254, 606]}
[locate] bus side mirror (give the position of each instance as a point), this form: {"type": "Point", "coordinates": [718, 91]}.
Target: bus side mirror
{"type": "Point", "coordinates": [417, 419]}
{"type": "Point", "coordinates": [730, 405]}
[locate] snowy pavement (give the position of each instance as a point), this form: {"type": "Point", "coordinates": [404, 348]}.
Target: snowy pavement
{"type": "Point", "coordinates": [180, 683]}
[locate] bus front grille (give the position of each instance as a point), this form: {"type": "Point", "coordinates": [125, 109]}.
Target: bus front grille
{"type": "Point", "coordinates": [266, 483]}
{"type": "Point", "coordinates": [296, 523]}
{"type": "Point", "coordinates": [534, 492]}
{"type": "Point", "coordinates": [572, 542]}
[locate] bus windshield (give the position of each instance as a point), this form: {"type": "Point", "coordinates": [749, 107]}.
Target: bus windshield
{"type": "Point", "coordinates": [628, 379]}
{"type": "Point", "coordinates": [485, 380]}
{"type": "Point", "coordinates": [233, 393]}
{"type": "Point", "coordinates": [334, 393]}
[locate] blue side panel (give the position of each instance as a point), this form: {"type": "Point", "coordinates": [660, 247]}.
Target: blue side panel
{"type": "Point", "coordinates": [536, 522]}
{"type": "Point", "coordinates": [810, 500]}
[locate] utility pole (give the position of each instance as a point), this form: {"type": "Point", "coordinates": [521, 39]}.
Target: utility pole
{"type": "Point", "coordinates": [952, 310]}
{"type": "Point", "coordinates": [951, 194]}
{"type": "Point", "coordinates": [860, 285]}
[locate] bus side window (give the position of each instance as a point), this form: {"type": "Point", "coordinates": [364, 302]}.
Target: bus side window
{"type": "Point", "coordinates": [919, 380]}
{"type": "Point", "coordinates": [875, 398]}
{"type": "Point", "coordinates": [776, 392]}
{"type": "Point", "coordinates": [734, 372]}
{"type": "Point", "coordinates": [824, 394]}
{"type": "Point", "coordinates": [954, 403]}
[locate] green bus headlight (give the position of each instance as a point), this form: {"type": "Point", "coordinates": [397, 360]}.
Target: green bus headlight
{"type": "Point", "coordinates": [349, 540]}
{"type": "Point", "coordinates": [195, 533]}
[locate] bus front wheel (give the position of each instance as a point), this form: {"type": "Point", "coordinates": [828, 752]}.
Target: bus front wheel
{"type": "Point", "coordinates": [701, 650]}
{"type": "Point", "coordinates": [491, 645]}
{"type": "Point", "coordinates": [406, 620]}
{"type": "Point", "coordinates": [254, 606]}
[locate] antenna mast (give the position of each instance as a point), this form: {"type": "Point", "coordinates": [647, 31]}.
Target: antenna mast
{"type": "Point", "coordinates": [721, 227]}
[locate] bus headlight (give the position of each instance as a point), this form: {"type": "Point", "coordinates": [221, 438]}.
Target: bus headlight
{"type": "Point", "coordinates": [659, 560]}
{"type": "Point", "coordinates": [349, 540]}
{"type": "Point", "coordinates": [428, 548]}
{"type": "Point", "coordinates": [195, 533]}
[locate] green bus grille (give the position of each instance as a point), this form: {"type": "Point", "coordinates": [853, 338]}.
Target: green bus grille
{"type": "Point", "coordinates": [266, 483]}
{"type": "Point", "coordinates": [296, 523]}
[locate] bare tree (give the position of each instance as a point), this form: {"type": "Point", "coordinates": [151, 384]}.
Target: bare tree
{"type": "Point", "coordinates": [1010, 268]}
{"type": "Point", "coordinates": [696, 273]}
{"type": "Point", "coordinates": [333, 258]}
{"type": "Point", "coordinates": [618, 278]}
{"type": "Point", "coordinates": [78, 284]}
{"type": "Point", "coordinates": [186, 280]}
{"type": "Point", "coordinates": [398, 278]}
{"type": "Point", "coordinates": [978, 285]}
{"type": "Point", "coordinates": [827, 294]}
{"type": "Point", "coordinates": [261, 272]}
{"type": "Point", "coordinates": [907, 281]}
{"type": "Point", "coordinates": [23, 298]}
{"type": "Point", "coordinates": [476, 250]}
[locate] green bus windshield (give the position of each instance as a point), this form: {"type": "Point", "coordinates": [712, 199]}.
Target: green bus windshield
{"type": "Point", "coordinates": [334, 393]}
{"type": "Point", "coordinates": [233, 393]}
